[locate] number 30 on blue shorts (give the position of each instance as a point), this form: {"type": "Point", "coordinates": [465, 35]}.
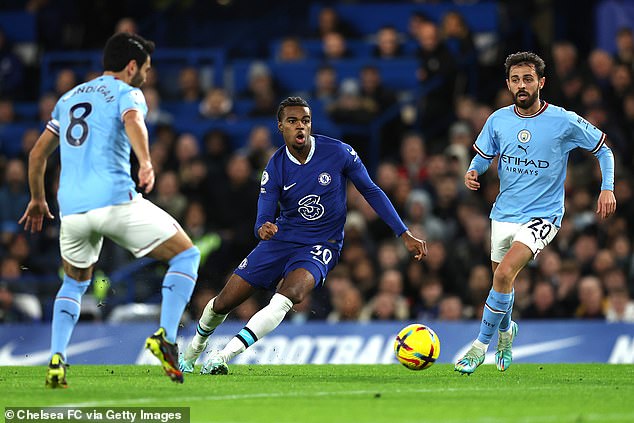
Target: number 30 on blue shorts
{"type": "Point", "coordinates": [270, 261]}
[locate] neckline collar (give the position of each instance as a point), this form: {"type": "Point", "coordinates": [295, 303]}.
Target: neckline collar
{"type": "Point", "coordinates": [541, 109]}
{"type": "Point", "coordinates": [310, 153]}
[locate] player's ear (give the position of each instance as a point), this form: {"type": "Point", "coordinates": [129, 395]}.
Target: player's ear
{"type": "Point", "coordinates": [279, 126]}
{"type": "Point", "coordinates": [542, 81]}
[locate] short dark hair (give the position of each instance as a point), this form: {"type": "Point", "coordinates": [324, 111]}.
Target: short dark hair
{"type": "Point", "coordinates": [290, 101]}
{"type": "Point", "coordinates": [123, 47]}
{"type": "Point", "coordinates": [525, 57]}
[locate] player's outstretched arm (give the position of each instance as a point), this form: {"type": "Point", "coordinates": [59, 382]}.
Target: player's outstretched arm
{"type": "Point", "coordinates": [37, 209]}
{"type": "Point", "coordinates": [471, 180]}
{"type": "Point", "coordinates": [414, 245]}
{"type": "Point", "coordinates": [606, 204]}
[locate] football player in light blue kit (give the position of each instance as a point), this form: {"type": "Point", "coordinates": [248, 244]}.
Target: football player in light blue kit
{"type": "Point", "coordinates": [95, 124]}
{"type": "Point", "coordinates": [308, 177]}
{"type": "Point", "coordinates": [532, 140]}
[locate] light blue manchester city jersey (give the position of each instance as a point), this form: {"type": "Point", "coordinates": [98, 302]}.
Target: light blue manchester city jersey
{"type": "Point", "coordinates": [94, 148]}
{"type": "Point", "coordinates": [533, 155]}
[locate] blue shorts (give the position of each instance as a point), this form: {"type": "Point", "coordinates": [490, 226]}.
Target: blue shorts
{"type": "Point", "coordinates": [270, 261]}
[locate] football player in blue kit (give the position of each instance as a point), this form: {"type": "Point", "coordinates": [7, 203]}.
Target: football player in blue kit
{"type": "Point", "coordinates": [95, 125]}
{"type": "Point", "coordinates": [308, 178]}
{"type": "Point", "coordinates": [532, 140]}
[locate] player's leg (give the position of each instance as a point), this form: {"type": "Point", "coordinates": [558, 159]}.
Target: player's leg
{"type": "Point", "coordinates": [234, 293]}
{"type": "Point", "coordinates": [293, 289]}
{"type": "Point", "coordinates": [535, 235]}
{"type": "Point", "coordinates": [497, 305]}
{"type": "Point", "coordinates": [145, 229]}
{"type": "Point", "coordinates": [80, 247]}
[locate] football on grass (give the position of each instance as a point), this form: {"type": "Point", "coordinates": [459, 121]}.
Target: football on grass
{"type": "Point", "coordinates": [417, 347]}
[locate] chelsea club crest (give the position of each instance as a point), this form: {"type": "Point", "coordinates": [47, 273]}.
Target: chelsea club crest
{"type": "Point", "coordinates": [324, 178]}
{"type": "Point", "coordinates": [524, 136]}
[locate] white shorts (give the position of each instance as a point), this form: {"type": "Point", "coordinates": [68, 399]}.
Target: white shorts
{"type": "Point", "coordinates": [138, 226]}
{"type": "Point", "coordinates": [535, 234]}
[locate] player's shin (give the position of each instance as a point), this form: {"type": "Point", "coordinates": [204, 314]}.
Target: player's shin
{"type": "Point", "coordinates": [495, 308]}
{"type": "Point", "coordinates": [505, 324]}
{"type": "Point", "coordinates": [66, 313]}
{"type": "Point", "coordinates": [262, 322]}
{"type": "Point", "coordinates": [178, 285]}
{"type": "Point", "coordinates": [207, 324]}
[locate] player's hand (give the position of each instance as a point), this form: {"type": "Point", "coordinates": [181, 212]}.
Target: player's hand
{"type": "Point", "coordinates": [33, 217]}
{"type": "Point", "coordinates": [414, 245]}
{"type": "Point", "coordinates": [267, 230]}
{"type": "Point", "coordinates": [606, 204]}
{"type": "Point", "coordinates": [471, 180]}
{"type": "Point", "coordinates": [146, 177]}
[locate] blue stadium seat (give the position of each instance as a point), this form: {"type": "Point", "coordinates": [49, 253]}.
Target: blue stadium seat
{"type": "Point", "coordinates": [19, 26]}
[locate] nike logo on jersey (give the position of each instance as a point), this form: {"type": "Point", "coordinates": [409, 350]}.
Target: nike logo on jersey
{"type": "Point", "coordinates": [287, 187]}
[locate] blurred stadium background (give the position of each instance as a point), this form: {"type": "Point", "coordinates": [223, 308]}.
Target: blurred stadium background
{"type": "Point", "coordinates": [408, 83]}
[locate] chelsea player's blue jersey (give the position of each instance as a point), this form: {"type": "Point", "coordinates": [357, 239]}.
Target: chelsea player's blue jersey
{"type": "Point", "coordinates": [533, 155]}
{"type": "Point", "coordinates": [312, 196]}
{"type": "Point", "coordinates": [94, 148]}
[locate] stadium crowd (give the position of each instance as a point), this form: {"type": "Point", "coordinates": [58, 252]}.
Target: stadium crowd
{"type": "Point", "coordinates": [210, 182]}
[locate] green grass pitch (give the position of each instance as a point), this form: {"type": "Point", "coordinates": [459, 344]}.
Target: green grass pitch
{"type": "Point", "coordinates": [556, 393]}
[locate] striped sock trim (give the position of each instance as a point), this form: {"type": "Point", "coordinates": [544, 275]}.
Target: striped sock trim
{"type": "Point", "coordinates": [247, 337]}
{"type": "Point", "coordinates": [203, 332]}
{"type": "Point", "coordinates": [493, 310]}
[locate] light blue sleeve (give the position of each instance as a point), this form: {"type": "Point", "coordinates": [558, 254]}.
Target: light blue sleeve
{"type": "Point", "coordinates": [132, 99]}
{"type": "Point", "coordinates": [583, 134]}
{"type": "Point", "coordinates": [53, 124]}
{"type": "Point", "coordinates": [606, 162]}
{"type": "Point", "coordinates": [486, 147]}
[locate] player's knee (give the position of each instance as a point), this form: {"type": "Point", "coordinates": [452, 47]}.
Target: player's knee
{"type": "Point", "coordinates": [503, 276]}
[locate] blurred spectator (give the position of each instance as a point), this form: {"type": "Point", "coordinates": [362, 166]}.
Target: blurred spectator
{"type": "Point", "coordinates": [566, 286]}
{"type": "Point", "coordinates": [334, 46]}
{"type": "Point", "coordinates": [565, 78]}
{"type": "Point", "coordinates": [155, 114]}
{"type": "Point", "coordinates": [543, 304]}
{"type": "Point", "coordinates": [259, 147]}
{"type": "Point", "coordinates": [193, 178]}
{"type": "Point", "coordinates": [473, 249]}
{"type": "Point", "coordinates": [168, 195]}
{"type": "Point", "coordinates": [189, 85]}
{"type": "Point", "coordinates": [624, 47]}
{"type": "Point", "coordinates": [216, 105]}
{"type": "Point", "coordinates": [413, 158]}
{"type": "Point", "coordinates": [45, 106]}
{"type": "Point", "coordinates": [217, 151]}
{"type": "Point", "coordinates": [11, 69]}
{"type": "Point", "coordinates": [388, 44]}
{"type": "Point", "coordinates": [351, 107]}
{"type": "Point", "coordinates": [591, 299]}
{"type": "Point", "coordinates": [620, 307]}
{"type": "Point", "coordinates": [330, 21]}
{"type": "Point", "coordinates": [65, 81]}
{"type": "Point", "coordinates": [437, 74]}
{"type": "Point", "coordinates": [372, 87]}
{"type": "Point", "coordinates": [347, 305]}
{"type": "Point", "coordinates": [385, 306]}
{"type": "Point", "coordinates": [126, 24]}
{"type": "Point", "coordinates": [600, 64]}
{"type": "Point", "coordinates": [450, 308]}
{"type": "Point", "coordinates": [291, 50]}
{"type": "Point", "coordinates": [7, 111]}
{"type": "Point", "coordinates": [186, 148]}
{"type": "Point", "coordinates": [418, 212]}
{"type": "Point", "coordinates": [14, 196]}
{"type": "Point", "coordinates": [326, 88]}
{"type": "Point", "coordinates": [260, 82]}
{"type": "Point", "coordinates": [457, 36]}
{"type": "Point", "coordinates": [10, 309]}
{"type": "Point", "coordinates": [427, 305]}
